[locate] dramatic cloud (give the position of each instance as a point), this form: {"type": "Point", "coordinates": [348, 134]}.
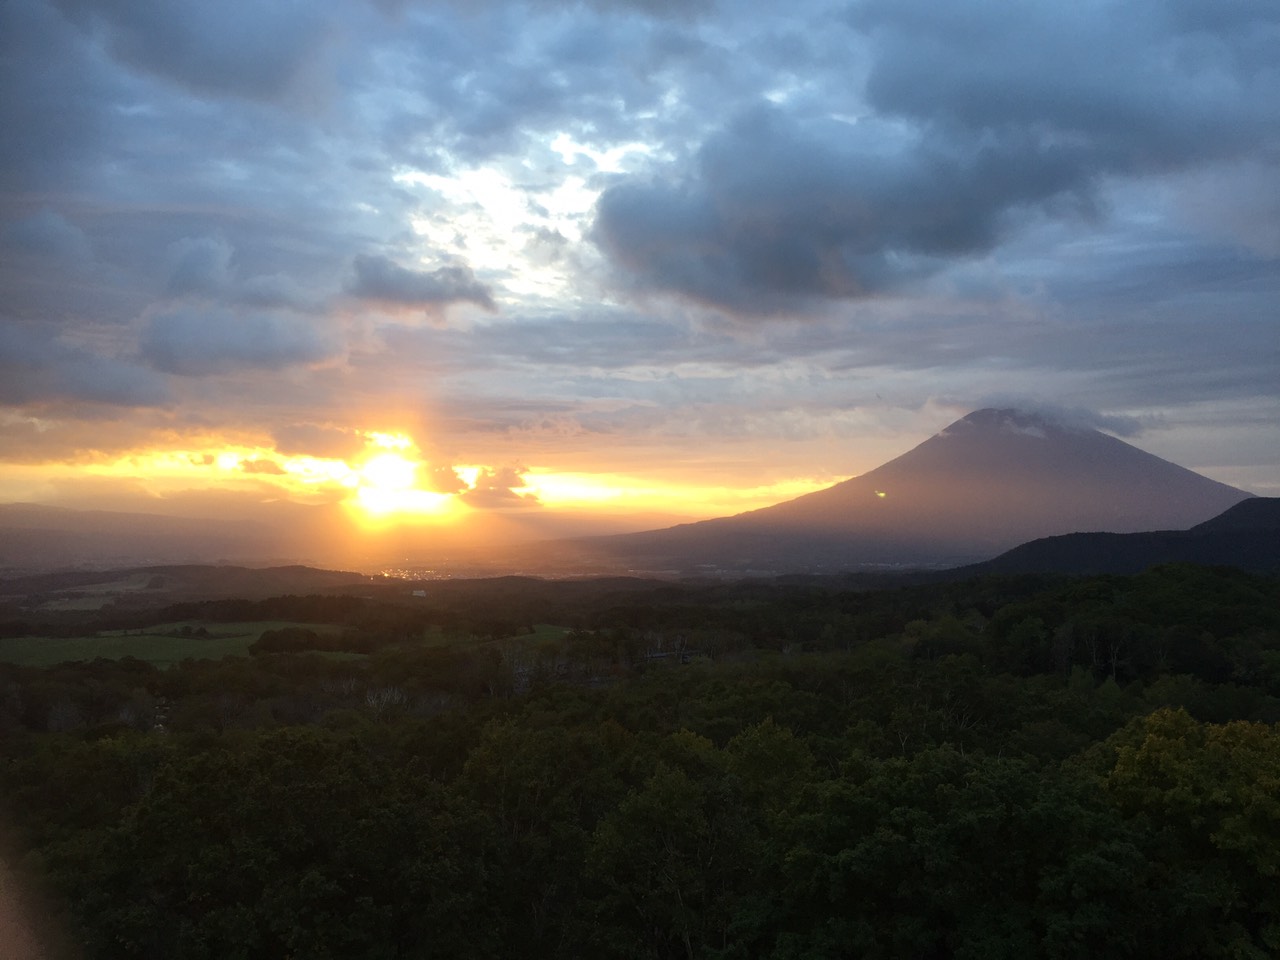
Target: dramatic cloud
{"type": "Point", "coordinates": [986, 114]}
{"type": "Point", "coordinates": [777, 214]}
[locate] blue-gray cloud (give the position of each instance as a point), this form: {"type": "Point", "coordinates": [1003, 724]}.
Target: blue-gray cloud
{"type": "Point", "coordinates": [383, 280]}
{"type": "Point", "coordinates": [49, 235]}
{"type": "Point", "coordinates": [248, 50]}
{"type": "Point", "coordinates": [194, 341]}
{"type": "Point", "coordinates": [37, 367]}
{"type": "Point", "coordinates": [985, 115]}
{"type": "Point", "coordinates": [200, 266]}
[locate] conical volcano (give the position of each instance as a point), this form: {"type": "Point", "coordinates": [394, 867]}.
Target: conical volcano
{"type": "Point", "coordinates": [988, 482]}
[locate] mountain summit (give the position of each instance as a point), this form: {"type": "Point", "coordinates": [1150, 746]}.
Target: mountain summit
{"type": "Point", "coordinates": [988, 482]}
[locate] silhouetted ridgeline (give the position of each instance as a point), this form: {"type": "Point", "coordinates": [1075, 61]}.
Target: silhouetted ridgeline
{"type": "Point", "coordinates": [1245, 536]}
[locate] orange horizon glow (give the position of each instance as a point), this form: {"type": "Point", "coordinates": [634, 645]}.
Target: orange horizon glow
{"type": "Point", "coordinates": [388, 482]}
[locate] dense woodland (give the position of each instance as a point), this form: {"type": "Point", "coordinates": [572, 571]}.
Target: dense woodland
{"type": "Point", "coordinates": [1005, 767]}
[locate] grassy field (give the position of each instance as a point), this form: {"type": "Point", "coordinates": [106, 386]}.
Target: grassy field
{"type": "Point", "coordinates": [161, 645]}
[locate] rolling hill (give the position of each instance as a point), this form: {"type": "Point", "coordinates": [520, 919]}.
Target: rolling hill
{"type": "Point", "coordinates": [1245, 536]}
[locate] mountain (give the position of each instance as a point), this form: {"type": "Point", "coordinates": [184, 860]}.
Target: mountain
{"type": "Point", "coordinates": [1246, 536]}
{"type": "Point", "coordinates": [990, 481]}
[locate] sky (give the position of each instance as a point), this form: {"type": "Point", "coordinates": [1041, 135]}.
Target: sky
{"type": "Point", "coordinates": [642, 260]}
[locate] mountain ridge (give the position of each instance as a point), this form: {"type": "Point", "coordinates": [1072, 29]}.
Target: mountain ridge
{"type": "Point", "coordinates": [1246, 535]}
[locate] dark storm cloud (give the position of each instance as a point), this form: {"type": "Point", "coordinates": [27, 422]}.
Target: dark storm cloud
{"type": "Point", "coordinates": [195, 341]}
{"type": "Point", "coordinates": [385, 281]}
{"type": "Point", "coordinates": [36, 367]}
{"type": "Point", "coordinates": [987, 114]}
{"type": "Point", "coordinates": [246, 50]}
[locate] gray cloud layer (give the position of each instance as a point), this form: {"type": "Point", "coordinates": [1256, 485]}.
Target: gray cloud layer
{"type": "Point", "coordinates": [200, 342]}
{"type": "Point", "coordinates": [984, 115]}
{"type": "Point", "coordinates": [252, 50]}
{"type": "Point", "coordinates": [37, 368]}
{"type": "Point", "coordinates": [380, 279]}
{"type": "Point", "coordinates": [226, 212]}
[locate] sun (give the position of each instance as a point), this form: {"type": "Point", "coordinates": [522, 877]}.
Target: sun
{"type": "Point", "coordinates": [387, 472]}
{"type": "Point", "coordinates": [385, 488]}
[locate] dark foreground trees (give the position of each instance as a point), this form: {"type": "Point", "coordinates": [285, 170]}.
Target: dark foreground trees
{"type": "Point", "coordinates": [949, 788]}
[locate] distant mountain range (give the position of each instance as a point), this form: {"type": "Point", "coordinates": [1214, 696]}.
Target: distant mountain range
{"type": "Point", "coordinates": [988, 482]}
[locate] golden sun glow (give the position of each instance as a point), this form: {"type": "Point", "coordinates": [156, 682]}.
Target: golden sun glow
{"type": "Point", "coordinates": [387, 480]}
{"type": "Point", "coordinates": [383, 503]}
{"type": "Point", "coordinates": [385, 485]}
{"type": "Point", "coordinates": [388, 471]}
{"type": "Point", "coordinates": [616, 492]}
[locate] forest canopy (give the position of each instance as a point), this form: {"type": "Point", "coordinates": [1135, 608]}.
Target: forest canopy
{"type": "Point", "coordinates": [1006, 767]}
